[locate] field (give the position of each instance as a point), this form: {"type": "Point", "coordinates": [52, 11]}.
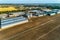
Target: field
{"type": "Point", "coordinates": [7, 9]}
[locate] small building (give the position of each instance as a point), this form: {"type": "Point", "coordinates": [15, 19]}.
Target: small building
{"type": "Point", "coordinates": [18, 13]}
{"type": "Point", "coordinates": [50, 13]}
{"type": "Point", "coordinates": [58, 12]}
{"type": "Point", "coordinates": [35, 13]}
{"type": "Point", "coordinates": [55, 11]}
{"type": "Point", "coordinates": [47, 10]}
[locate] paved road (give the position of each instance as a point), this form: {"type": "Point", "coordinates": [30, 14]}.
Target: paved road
{"type": "Point", "coordinates": [47, 30]}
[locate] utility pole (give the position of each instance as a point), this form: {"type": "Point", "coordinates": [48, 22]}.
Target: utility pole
{"type": "Point", "coordinates": [0, 22]}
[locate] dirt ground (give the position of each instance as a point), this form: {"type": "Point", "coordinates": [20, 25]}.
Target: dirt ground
{"type": "Point", "coordinates": [20, 28]}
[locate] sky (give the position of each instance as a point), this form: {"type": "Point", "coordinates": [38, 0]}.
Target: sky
{"type": "Point", "coordinates": [29, 1]}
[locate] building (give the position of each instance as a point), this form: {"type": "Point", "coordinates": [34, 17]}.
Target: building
{"type": "Point", "coordinates": [51, 13]}
{"type": "Point", "coordinates": [15, 18]}
{"type": "Point", "coordinates": [10, 21]}
{"type": "Point", "coordinates": [35, 13]}
{"type": "Point", "coordinates": [58, 12]}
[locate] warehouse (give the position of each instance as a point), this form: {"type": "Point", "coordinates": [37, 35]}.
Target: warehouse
{"type": "Point", "coordinates": [12, 20]}
{"type": "Point", "coordinates": [35, 13]}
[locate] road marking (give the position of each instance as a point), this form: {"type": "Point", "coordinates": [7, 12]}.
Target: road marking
{"type": "Point", "coordinates": [48, 32]}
